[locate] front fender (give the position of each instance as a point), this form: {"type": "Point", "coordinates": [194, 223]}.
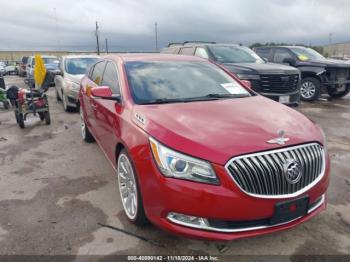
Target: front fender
{"type": "Point", "coordinates": [307, 71]}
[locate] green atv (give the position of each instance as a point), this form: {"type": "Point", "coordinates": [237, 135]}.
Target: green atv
{"type": "Point", "coordinates": [3, 97]}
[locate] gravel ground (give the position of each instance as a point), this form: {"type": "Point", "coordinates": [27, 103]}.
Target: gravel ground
{"type": "Point", "coordinates": [55, 190]}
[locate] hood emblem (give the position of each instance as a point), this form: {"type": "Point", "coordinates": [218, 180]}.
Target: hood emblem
{"type": "Point", "coordinates": [292, 171]}
{"type": "Point", "coordinates": [280, 140]}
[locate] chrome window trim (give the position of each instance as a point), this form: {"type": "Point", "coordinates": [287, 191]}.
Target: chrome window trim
{"type": "Point", "coordinates": [237, 230]}
{"type": "Point", "coordinates": [295, 194]}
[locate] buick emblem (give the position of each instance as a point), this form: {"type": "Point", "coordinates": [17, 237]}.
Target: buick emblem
{"type": "Point", "coordinates": [292, 171]}
{"type": "Point", "coordinates": [280, 140]}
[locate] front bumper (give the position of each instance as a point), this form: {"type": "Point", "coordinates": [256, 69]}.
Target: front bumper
{"type": "Point", "coordinates": [224, 202]}
{"type": "Point", "coordinates": [294, 97]}
{"type": "Point", "coordinates": [72, 97]}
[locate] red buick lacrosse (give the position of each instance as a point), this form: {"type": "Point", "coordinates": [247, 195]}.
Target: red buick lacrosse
{"type": "Point", "coordinates": [197, 153]}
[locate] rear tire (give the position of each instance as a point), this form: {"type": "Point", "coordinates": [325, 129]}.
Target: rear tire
{"type": "Point", "coordinates": [85, 132]}
{"type": "Point", "coordinates": [47, 118]}
{"type": "Point", "coordinates": [42, 116]}
{"type": "Point", "coordinates": [340, 94]}
{"type": "Point", "coordinates": [20, 119]}
{"type": "Point", "coordinates": [310, 89]}
{"type": "Point", "coordinates": [129, 190]}
{"type": "Point", "coordinates": [66, 107]}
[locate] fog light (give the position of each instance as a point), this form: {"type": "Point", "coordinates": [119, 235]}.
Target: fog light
{"type": "Point", "coordinates": [185, 220]}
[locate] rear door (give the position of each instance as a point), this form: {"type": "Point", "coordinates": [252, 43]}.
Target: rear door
{"type": "Point", "coordinates": [90, 104]}
{"type": "Point", "coordinates": [108, 112]}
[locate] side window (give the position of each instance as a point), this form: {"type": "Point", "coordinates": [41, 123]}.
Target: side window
{"type": "Point", "coordinates": [281, 54]}
{"type": "Point", "coordinates": [98, 72]}
{"type": "Point", "coordinates": [110, 78]}
{"type": "Point", "coordinates": [186, 51]}
{"type": "Point", "coordinates": [201, 52]}
{"type": "Point", "coordinates": [170, 50]}
{"type": "Point", "coordinates": [264, 52]}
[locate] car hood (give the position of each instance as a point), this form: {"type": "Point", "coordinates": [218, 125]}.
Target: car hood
{"type": "Point", "coordinates": [327, 63]}
{"type": "Point", "coordinates": [220, 129]}
{"type": "Point", "coordinates": [256, 68]}
{"type": "Point", "coordinates": [74, 78]}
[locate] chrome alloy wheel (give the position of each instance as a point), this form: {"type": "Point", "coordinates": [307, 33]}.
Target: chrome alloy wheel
{"type": "Point", "coordinates": [127, 186]}
{"type": "Point", "coordinates": [82, 123]}
{"type": "Point", "coordinates": [308, 89]}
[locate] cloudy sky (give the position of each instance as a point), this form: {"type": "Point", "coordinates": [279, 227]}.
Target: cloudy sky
{"type": "Point", "coordinates": [129, 24]}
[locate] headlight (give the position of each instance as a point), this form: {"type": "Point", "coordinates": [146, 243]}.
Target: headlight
{"type": "Point", "coordinates": [248, 77]}
{"type": "Point", "coordinates": [73, 86]}
{"type": "Point", "coordinates": [177, 165]}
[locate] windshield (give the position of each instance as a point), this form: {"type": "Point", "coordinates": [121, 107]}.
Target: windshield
{"type": "Point", "coordinates": [79, 66]}
{"type": "Point", "coordinates": [235, 54]}
{"type": "Point", "coordinates": [306, 54]}
{"type": "Point", "coordinates": [156, 82]}
{"type": "Point", "coordinates": [48, 60]}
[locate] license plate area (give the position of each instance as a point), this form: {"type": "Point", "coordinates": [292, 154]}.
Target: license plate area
{"type": "Point", "coordinates": [284, 99]}
{"type": "Point", "coordinates": [289, 210]}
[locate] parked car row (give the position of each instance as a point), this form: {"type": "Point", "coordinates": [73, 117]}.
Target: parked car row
{"type": "Point", "coordinates": [283, 73]}
{"type": "Point", "coordinates": [8, 68]}
{"type": "Point", "coordinates": [196, 149]}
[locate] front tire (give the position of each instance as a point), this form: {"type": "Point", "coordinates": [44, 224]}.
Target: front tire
{"type": "Point", "coordinates": [6, 105]}
{"type": "Point", "coordinates": [129, 190]}
{"type": "Point", "coordinates": [310, 89]}
{"type": "Point", "coordinates": [66, 107]}
{"type": "Point", "coordinates": [339, 94]}
{"type": "Point", "coordinates": [85, 132]}
{"type": "Point", "coordinates": [58, 99]}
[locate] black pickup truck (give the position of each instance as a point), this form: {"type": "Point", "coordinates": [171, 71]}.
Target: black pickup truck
{"type": "Point", "coordinates": [278, 82]}
{"type": "Point", "coordinates": [319, 74]}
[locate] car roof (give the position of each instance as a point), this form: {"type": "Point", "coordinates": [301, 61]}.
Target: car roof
{"type": "Point", "coordinates": [286, 46]}
{"type": "Point", "coordinates": [80, 56]}
{"type": "Point", "coordinates": [202, 44]}
{"type": "Point", "coordinates": [129, 57]}
{"type": "Point", "coordinates": [44, 56]}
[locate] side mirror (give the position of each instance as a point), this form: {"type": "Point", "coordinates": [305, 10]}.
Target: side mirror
{"type": "Point", "coordinates": [104, 92]}
{"type": "Point", "coordinates": [247, 84]}
{"type": "Point", "coordinates": [290, 61]}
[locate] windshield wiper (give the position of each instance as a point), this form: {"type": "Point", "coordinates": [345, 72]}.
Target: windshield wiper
{"type": "Point", "coordinates": [208, 97]}
{"type": "Point", "coordinates": [163, 101]}
{"type": "Point", "coordinates": [225, 96]}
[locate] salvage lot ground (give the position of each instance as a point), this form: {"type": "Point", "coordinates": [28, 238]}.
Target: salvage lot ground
{"type": "Point", "coordinates": [55, 190]}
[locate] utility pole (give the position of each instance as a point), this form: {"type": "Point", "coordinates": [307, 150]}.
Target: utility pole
{"type": "Point", "coordinates": [156, 33]}
{"type": "Point", "coordinates": [98, 43]}
{"type": "Point", "coordinates": [106, 45]}
{"type": "Point", "coordinates": [56, 27]}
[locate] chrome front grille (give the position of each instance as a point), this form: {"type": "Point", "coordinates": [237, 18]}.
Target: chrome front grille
{"type": "Point", "coordinates": [265, 174]}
